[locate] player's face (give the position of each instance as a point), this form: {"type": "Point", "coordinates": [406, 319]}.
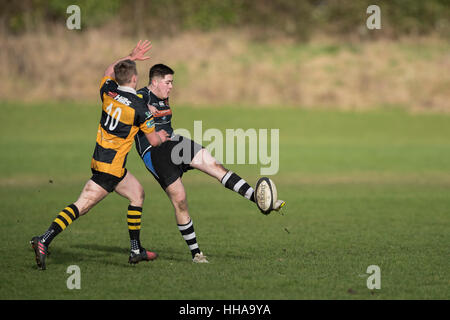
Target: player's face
{"type": "Point", "coordinates": [163, 86]}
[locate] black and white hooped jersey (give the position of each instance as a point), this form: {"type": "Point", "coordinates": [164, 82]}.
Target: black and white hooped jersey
{"type": "Point", "coordinates": [162, 118]}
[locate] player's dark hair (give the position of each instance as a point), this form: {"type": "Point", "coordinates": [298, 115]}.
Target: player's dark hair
{"type": "Point", "coordinates": [159, 71]}
{"type": "Point", "coordinates": [124, 70]}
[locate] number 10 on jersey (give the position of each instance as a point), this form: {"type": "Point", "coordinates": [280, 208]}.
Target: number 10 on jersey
{"type": "Point", "coordinates": [115, 117]}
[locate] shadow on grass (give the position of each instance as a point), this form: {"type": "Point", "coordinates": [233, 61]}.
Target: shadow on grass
{"type": "Point", "coordinates": [171, 254]}
{"type": "Point", "coordinates": [118, 256]}
{"type": "Point", "coordinates": [102, 248]}
{"type": "Point", "coordinates": [90, 253]}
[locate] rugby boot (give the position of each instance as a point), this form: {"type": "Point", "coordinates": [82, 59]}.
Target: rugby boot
{"type": "Point", "coordinates": [143, 255]}
{"type": "Point", "coordinates": [200, 258]}
{"type": "Point", "coordinates": [278, 205]}
{"type": "Point", "coordinates": [40, 251]}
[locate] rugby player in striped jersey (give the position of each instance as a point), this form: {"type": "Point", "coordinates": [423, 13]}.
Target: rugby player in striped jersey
{"type": "Point", "coordinates": [124, 114]}
{"type": "Point", "coordinates": [168, 172]}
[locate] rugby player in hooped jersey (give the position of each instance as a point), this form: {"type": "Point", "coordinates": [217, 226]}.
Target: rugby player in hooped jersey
{"type": "Point", "coordinates": [123, 115]}
{"type": "Point", "coordinates": [168, 173]}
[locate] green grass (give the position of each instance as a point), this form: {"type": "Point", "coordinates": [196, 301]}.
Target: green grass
{"type": "Point", "coordinates": [361, 189]}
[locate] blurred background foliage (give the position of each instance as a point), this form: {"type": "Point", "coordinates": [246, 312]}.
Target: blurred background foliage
{"type": "Point", "coordinates": [266, 18]}
{"type": "Point", "coordinates": [310, 53]}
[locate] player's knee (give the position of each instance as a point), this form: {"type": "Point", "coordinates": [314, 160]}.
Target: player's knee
{"type": "Point", "coordinates": [181, 202]}
{"type": "Point", "coordinates": [219, 171]}
{"type": "Point", "coordinates": [221, 168]}
{"type": "Point", "coordinates": [141, 196]}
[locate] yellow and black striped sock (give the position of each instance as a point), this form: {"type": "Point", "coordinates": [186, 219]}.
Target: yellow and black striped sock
{"type": "Point", "coordinates": [61, 222]}
{"type": "Point", "coordinates": [134, 227]}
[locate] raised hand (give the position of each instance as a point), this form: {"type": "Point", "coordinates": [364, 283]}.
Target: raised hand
{"type": "Point", "coordinates": [140, 50]}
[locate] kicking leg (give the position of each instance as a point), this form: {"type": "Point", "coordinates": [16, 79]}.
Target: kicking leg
{"type": "Point", "coordinates": [205, 162]}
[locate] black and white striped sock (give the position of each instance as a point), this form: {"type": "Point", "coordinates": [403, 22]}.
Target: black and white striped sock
{"type": "Point", "coordinates": [233, 182]}
{"type": "Point", "coordinates": [188, 233]}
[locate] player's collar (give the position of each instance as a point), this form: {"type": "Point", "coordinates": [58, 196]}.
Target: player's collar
{"type": "Point", "coordinates": [126, 89]}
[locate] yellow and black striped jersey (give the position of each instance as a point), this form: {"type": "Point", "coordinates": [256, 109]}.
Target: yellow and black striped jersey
{"type": "Point", "coordinates": [123, 115]}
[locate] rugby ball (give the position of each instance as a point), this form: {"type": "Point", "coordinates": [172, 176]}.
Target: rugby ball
{"type": "Point", "coordinates": [265, 195]}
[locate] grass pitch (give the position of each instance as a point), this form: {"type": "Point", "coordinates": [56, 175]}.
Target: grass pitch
{"type": "Point", "coordinates": [361, 189]}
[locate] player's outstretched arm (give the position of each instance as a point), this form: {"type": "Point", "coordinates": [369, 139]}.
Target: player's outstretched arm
{"type": "Point", "coordinates": [138, 54]}
{"type": "Point", "coordinates": [157, 137]}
